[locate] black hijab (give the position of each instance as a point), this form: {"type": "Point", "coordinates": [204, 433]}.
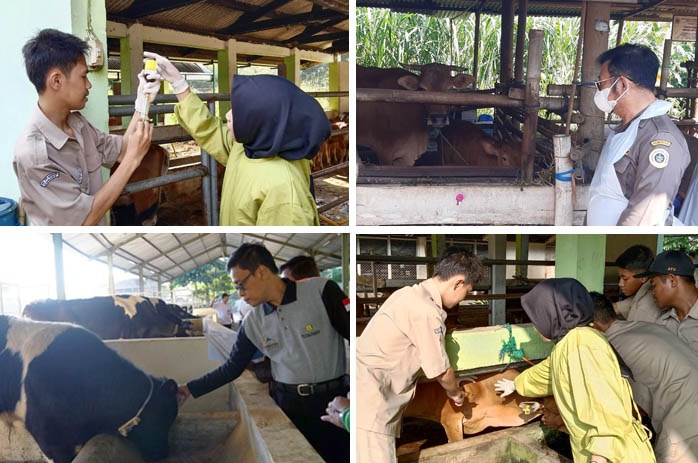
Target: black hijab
{"type": "Point", "coordinates": [558, 305]}
{"type": "Point", "coordinates": [271, 116]}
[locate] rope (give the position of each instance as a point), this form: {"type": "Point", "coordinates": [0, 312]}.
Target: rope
{"type": "Point", "coordinates": [509, 348]}
{"type": "Point", "coordinates": [565, 176]}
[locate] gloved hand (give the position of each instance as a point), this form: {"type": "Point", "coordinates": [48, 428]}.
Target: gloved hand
{"type": "Point", "coordinates": [146, 89]}
{"type": "Point", "coordinates": [505, 386]}
{"type": "Point", "coordinates": [169, 72]}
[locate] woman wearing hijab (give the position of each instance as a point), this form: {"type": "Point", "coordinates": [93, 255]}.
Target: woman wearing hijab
{"type": "Point", "coordinates": [272, 130]}
{"type": "Point", "coordinates": [583, 374]}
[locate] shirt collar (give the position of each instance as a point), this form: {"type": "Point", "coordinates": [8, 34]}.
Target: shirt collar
{"type": "Point", "coordinates": [288, 297]}
{"type": "Point", "coordinates": [671, 313]}
{"type": "Point", "coordinates": [51, 131]}
{"type": "Point", "coordinates": [433, 291]}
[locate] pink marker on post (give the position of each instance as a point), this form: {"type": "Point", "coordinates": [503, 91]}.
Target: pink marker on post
{"type": "Point", "coordinates": [459, 198]}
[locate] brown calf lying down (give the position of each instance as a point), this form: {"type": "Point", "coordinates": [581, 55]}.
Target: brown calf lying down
{"type": "Point", "coordinates": [482, 408]}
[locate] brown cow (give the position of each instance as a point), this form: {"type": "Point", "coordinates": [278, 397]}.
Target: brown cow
{"type": "Point", "coordinates": [141, 208]}
{"type": "Point", "coordinates": [397, 132]}
{"type": "Point", "coordinates": [482, 408]}
{"type": "Point", "coordinates": [335, 149]}
{"type": "Point", "coordinates": [465, 144]}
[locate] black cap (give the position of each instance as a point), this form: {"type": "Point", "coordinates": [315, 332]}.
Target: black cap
{"type": "Point", "coordinates": [670, 262]}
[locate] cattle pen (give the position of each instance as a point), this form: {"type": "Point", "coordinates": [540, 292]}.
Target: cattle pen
{"type": "Point", "coordinates": [237, 423]}
{"type": "Point", "coordinates": [558, 153]}
{"type": "Point", "coordinates": [488, 333]}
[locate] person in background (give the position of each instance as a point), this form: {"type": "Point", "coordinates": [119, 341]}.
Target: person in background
{"type": "Point", "coordinates": [638, 304]}
{"type": "Point", "coordinates": [643, 160]}
{"type": "Point", "coordinates": [583, 374]}
{"type": "Point", "coordinates": [224, 311]}
{"type": "Point", "coordinates": [675, 292]}
{"type": "Point", "coordinates": [58, 157]}
{"type": "Point", "coordinates": [299, 268]}
{"type": "Point", "coordinates": [271, 132]}
{"type": "Point", "coordinates": [664, 379]}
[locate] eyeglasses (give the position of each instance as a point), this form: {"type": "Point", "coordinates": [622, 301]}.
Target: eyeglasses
{"type": "Point", "coordinates": [598, 82]}
{"type": "Point", "coordinates": [241, 286]}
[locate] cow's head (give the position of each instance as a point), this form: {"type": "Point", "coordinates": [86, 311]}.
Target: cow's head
{"type": "Point", "coordinates": [151, 435]}
{"type": "Point", "coordinates": [507, 154]}
{"type": "Point", "coordinates": [435, 77]}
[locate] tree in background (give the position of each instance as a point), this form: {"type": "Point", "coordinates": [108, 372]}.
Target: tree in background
{"type": "Point", "coordinates": [207, 281]}
{"type": "Point", "coordinates": [684, 243]}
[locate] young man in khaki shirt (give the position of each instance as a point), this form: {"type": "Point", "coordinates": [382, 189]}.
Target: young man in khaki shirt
{"type": "Point", "coordinates": [405, 335]}
{"type": "Point", "coordinates": [638, 305]}
{"type": "Point", "coordinates": [675, 292]}
{"type": "Point", "coordinates": [59, 155]}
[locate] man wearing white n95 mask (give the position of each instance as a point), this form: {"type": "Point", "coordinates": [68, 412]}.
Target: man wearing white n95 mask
{"type": "Point", "coordinates": [644, 158]}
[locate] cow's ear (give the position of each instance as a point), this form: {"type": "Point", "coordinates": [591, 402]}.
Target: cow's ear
{"type": "Point", "coordinates": [409, 82]}
{"type": "Point", "coordinates": [462, 81]}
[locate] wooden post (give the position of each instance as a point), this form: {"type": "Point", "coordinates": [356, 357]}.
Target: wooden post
{"type": "Point", "coordinates": [619, 37]}
{"type": "Point", "coordinates": [531, 102]}
{"type": "Point", "coordinates": [507, 42]}
{"type": "Point", "coordinates": [476, 53]}
{"type": "Point", "coordinates": [520, 40]}
{"type": "Point", "coordinates": [564, 207]}
{"type": "Point", "coordinates": [522, 242]}
{"type": "Point", "coordinates": [595, 43]}
{"type": "Point", "coordinates": [666, 60]}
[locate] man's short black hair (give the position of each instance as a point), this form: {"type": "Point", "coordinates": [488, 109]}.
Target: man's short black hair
{"type": "Point", "coordinates": [224, 295]}
{"type": "Point", "coordinates": [249, 256]}
{"type": "Point", "coordinates": [459, 261]}
{"type": "Point", "coordinates": [603, 308]}
{"type": "Point", "coordinates": [300, 267]}
{"type": "Point", "coordinates": [49, 49]}
{"type": "Point", "coordinates": [637, 257]}
{"type": "Point", "coordinates": [637, 62]}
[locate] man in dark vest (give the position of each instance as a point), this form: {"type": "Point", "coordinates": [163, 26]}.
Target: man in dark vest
{"type": "Point", "coordinates": [301, 327]}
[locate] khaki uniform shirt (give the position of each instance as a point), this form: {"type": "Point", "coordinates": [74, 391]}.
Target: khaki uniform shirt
{"type": "Point", "coordinates": [665, 385]}
{"type": "Point", "coordinates": [58, 175]}
{"type": "Point", "coordinates": [405, 335]}
{"type": "Point", "coordinates": [650, 172]}
{"type": "Point", "coordinates": [641, 306]}
{"type": "Point", "coordinates": [686, 329]}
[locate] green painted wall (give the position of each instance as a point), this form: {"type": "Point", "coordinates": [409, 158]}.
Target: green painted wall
{"type": "Point", "coordinates": [581, 257]}
{"type": "Point", "coordinates": [19, 22]}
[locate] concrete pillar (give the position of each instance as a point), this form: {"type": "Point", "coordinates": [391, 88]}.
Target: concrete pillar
{"type": "Point", "coordinates": [595, 43]}
{"type": "Point", "coordinates": [292, 64]}
{"type": "Point", "coordinates": [134, 59]}
{"type": "Point", "coordinates": [110, 276]}
{"type": "Point", "coordinates": [141, 283]}
{"type": "Point", "coordinates": [522, 254]}
{"type": "Point", "coordinates": [497, 249]}
{"type": "Point", "coordinates": [334, 83]}
{"type": "Point", "coordinates": [346, 264]}
{"type": "Point", "coordinates": [421, 272]}
{"type": "Point", "coordinates": [58, 263]}
{"type": "Point", "coordinates": [581, 257]}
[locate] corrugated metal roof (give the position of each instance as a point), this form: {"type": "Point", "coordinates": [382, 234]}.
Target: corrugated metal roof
{"type": "Point", "coordinates": [169, 255]}
{"type": "Point", "coordinates": [635, 10]}
{"type": "Point", "coordinates": [281, 22]}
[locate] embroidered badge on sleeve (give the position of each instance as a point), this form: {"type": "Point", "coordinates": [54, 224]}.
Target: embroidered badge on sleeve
{"type": "Point", "coordinates": [46, 180]}
{"type": "Point", "coordinates": [659, 158]}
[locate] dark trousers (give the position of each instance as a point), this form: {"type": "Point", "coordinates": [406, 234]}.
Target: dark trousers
{"type": "Point", "coordinates": [331, 442]}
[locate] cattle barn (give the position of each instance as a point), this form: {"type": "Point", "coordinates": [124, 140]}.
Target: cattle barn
{"type": "Point", "coordinates": [420, 169]}
{"type": "Point", "coordinates": [238, 422]}
{"type": "Point", "coordinates": [305, 41]}
{"type": "Point", "coordinates": [480, 332]}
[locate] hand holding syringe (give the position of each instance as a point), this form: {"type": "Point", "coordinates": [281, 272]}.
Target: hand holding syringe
{"type": "Point", "coordinates": [150, 73]}
{"type": "Point", "coordinates": [148, 88]}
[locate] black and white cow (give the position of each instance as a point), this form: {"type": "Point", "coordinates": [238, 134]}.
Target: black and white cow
{"type": "Point", "coordinates": [67, 386]}
{"type": "Point", "coordinates": [115, 317]}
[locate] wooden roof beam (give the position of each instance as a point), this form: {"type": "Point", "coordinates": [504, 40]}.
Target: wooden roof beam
{"type": "Point", "coordinates": [256, 14]}
{"type": "Point", "coordinates": [303, 18]}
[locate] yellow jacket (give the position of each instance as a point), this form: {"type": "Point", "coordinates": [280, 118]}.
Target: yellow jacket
{"type": "Point", "coordinates": [268, 191]}
{"type": "Point", "coordinates": [595, 402]}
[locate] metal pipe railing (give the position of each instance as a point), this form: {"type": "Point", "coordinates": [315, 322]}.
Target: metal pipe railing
{"type": "Point", "coordinates": [177, 176]}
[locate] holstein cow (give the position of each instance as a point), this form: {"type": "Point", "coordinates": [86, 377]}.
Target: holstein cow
{"type": "Point", "coordinates": [397, 132]}
{"type": "Point", "coordinates": [66, 386]}
{"type": "Point", "coordinates": [141, 208]}
{"type": "Point", "coordinates": [482, 408]}
{"type": "Point", "coordinates": [115, 317]}
{"type": "Point", "coordinates": [465, 144]}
